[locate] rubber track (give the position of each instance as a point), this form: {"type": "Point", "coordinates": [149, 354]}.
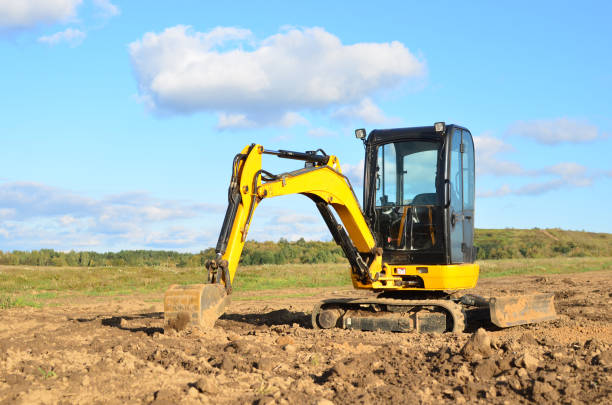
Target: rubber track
{"type": "Point", "coordinates": [454, 309]}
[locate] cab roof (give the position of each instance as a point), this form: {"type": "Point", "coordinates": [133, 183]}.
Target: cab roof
{"type": "Point", "coordinates": [377, 136]}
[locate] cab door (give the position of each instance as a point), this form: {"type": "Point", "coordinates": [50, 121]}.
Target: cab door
{"type": "Point", "coordinates": [461, 208]}
{"type": "Point", "coordinates": [468, 177]}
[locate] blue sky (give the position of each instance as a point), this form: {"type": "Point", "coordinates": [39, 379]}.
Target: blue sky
{"type": "Point", "coordinates": [119, 120]}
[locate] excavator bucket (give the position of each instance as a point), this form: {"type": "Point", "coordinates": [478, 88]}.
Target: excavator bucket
{"type": "Point", "coordinates": [523, 309]}
{"type": "Point", "coordinates": [194, 305]}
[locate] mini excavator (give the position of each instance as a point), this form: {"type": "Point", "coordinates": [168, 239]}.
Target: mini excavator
{"type": "Point", "coordinates": [412, 244]}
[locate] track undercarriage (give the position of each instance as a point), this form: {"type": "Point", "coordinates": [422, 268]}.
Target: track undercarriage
{"type": "Point", "coordinates": [442, 314]}
{"type": "Point", "coordinates": [391, 314]}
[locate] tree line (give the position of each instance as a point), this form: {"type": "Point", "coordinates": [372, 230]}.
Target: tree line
{"type": "Point", "coordinates": [281, 252]}
{"type": "Point", "coordinates": [491, 243]}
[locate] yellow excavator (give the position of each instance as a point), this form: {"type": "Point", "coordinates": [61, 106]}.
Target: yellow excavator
{"type": "Point", "coordinates": [412, 244]}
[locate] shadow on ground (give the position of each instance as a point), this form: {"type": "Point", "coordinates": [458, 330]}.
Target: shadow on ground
{"type": "Point", "coordinates": [280, 317]}
{"type": "Point", "coordinates": [120, 322]}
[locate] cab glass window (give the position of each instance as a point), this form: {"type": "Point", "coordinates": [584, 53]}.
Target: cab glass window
{"type": "Point", "coordinates": [386, 175]}
{"type": "Point", "coordinates": [468, 172]}
{"type": "Point", "coordinates": [406, 173]}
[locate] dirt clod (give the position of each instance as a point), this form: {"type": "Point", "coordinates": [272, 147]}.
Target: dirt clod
{"type": "Point", "coordinates": [527, 339]}
{"type": "Point", "coordinates": [528, 361]}
{"type": "Point", "coordinates": [542, 391]}
{"type": "Point", "coordinates": [180, 322]}
{"type": "Point", "coordinates": [165, 397]}
{"type": "Point", "coordinates": [478, 346]}
{"type": "Point", "coordinates": [285, 340]}
{"type": "Point", "coordinates": [207, 385]}
{"type": "Point", "coordinates": [604, 359]}
{"type": "Point", "coordinates": [290, 348]}
{"type": "Point", "coordinates": [486, 369]}
{"type": "Point", "coordinates": [264, 364]}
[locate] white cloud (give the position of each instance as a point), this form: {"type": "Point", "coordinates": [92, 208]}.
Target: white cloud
{"type": "Point", "coordinates": [36, 216]}
{"type": "Point", "coordinates": [354, 173]}
{"type": "Point", "coordinates": [488, 161]}
{"type": "Point", "coordinates": [241, 121]}
{"type": "Point", "coordinates": [234, 121]}
{"type": "Point", "coordinates": [182, 71]}
{"type": "Point", "coordinates": [489, 145]}
{"type": "Point", "coordinates": [67, 220]}
{"type": "Point", "coordinates": [554, 131]}
{"type": "Point", "coordinates": [564, 175]}
{"type": "Point", "coordinates": [282, 138]}
{"type": "Point", "coordinates": [366, 111]}
{"type": "Point", "coordinates": [29, 199]}
{"type": "Point", "coordinates": [500, 192]}
{"type": "Point", "coordinates": [288, 224]}
{"type": "Point", "coordinates": [6, 213]}
{"type": "Point", "coordinates": [291, 119]}
{"type": "Point", "coordinates": [292, 218]}
{"type": "Point", "coordinates": [107, 9]}
{"type": "Point", "coordinates": [530, 189]}
{"type": "Point", "coordinates": [28, 13]}
{"type": "Point", "coordinates": [71, 36]}
{"type": "Point", "coordinates": [176, 237]}
{"type": "Point", "coordinates": [570, 172]}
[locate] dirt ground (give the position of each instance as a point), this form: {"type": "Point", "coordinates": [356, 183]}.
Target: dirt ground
{"type": "Point", "coordinates": [115, 351]}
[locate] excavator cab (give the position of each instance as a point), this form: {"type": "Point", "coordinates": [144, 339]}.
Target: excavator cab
{"type": "Point", "coordinates": [419, 194]}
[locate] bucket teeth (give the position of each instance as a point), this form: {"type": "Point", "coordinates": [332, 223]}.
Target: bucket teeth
{"type": "Point", "coordinates": [194, 305]}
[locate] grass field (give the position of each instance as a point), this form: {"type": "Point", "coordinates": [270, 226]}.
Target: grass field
{"type": "Point", "coordinates": [40, 286]}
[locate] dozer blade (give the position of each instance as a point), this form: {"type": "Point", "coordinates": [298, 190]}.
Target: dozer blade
{"type": "Point", "coordinates": [523, 309]}
{"type": "Point", "coordinates": [195, 305]}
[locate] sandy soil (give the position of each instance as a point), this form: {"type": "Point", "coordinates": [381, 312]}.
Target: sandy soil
{"type": "Point", "coordinates": [115, 351]}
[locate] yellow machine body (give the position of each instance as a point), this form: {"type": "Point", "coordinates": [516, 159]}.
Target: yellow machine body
{"type": "Point", "coordinates": [437, 277]}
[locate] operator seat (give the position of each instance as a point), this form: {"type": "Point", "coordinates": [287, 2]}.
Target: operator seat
{"type": "Point", "coordinates": [425, 199]}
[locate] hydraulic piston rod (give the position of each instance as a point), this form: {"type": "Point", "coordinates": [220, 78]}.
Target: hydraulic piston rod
{"type": "Point", "coordinates": [309, 156]}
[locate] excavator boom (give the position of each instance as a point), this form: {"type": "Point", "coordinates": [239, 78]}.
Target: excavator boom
{"type": "Point", "coordinates": [322, 181]}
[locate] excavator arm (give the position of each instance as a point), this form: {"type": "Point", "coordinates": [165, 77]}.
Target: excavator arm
{"type": "Point", "coordinates": [322, 181]}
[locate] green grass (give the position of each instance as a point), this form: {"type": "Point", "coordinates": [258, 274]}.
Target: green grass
{"type": "Point", "coordinates": [557, 265]}
{"type": "Point", "coordinates": [271, 276]}
{"type": "Point", "coordinates": [35, 286]}
{"type": "Point", "coordinates": [46, 374]}
{"type": "Point", "coordinates": [40, 286]}
{"type": "Point", "coordinates": [540, 243]}
{"type": "Point", "coordinates": [11, 301]}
